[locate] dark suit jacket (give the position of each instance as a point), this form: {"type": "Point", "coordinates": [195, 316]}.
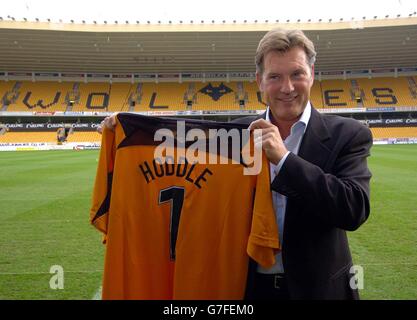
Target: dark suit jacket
{"type": "Point", "coordinates": [327, 189]}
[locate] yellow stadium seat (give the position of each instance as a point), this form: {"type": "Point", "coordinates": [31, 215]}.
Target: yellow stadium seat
{"type": "Point", "coordinates": [210, 95]}
{"type": "Point", "coordinates": [25, 137]}
{"type": "Point", "coordinates": [394, 132]}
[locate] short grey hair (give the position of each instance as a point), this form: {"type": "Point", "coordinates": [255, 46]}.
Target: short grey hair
{"type": "Point", "coordinates": [282, 41]}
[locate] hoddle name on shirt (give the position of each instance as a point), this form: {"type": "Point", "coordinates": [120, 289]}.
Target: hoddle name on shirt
{"type": "Point", "coordinates": [212, 146]}
{"type": "Point", "coordinates": [183, 169]}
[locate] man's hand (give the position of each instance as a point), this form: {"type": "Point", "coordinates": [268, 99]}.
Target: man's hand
{"type": "Point", "coordinates": [108, 122]}
{"type": "Point", "coordinates": [272, 142]}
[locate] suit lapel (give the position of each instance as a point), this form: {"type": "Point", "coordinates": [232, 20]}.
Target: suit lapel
{"type": "Point", "coordinates": [313, 147]}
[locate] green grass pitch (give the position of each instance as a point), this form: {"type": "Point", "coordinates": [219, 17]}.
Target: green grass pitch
{"type": "Point", "coordinates": [44, 221]}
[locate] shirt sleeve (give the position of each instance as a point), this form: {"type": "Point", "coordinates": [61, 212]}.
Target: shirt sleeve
{"type": "Point", "coordinates": [263, 240]}
{"type": "Point", "coordinates": [100, 203]}
{"type": "Point", "coordinates": [281, 163]}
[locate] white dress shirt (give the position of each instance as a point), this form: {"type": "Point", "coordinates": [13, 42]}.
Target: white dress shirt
{"type": "Point", "coordinates": [292, 143]}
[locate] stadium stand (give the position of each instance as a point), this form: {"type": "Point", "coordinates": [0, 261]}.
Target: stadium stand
{"type": "Point", "coordinates": [396, 132]}
{"type": "Point", "coordinates": [248, 96]}
{"type": "Point", "coordinates": [84, 136]}
{"type": "Point", "coordinates": [217, 95]}
{"type": "Point", "coordinates": [38, 96]}
{"type": "Point", "coordinates": [24, 137]}
{"type": "Point", "coordinates": [93, 96]}
{"type": "Point", "coordinates": [213, 95]}
{"type": "Point", "coordinates": [121, 97]}
{"type": "Point", "coordinates": [75, 93]}
{"type": "Point", "coordinates": [316, 95]}
{"type": "Point", "coordinates": [162, 96]}
{"type": "Point", "coordinates": [336, 94]}
{"type": "Point", "coordinates": [7, 94]}
{"type": "Point", "coordinates": [49, 97]}
{"type": "Point", "coordinates": [381, 92]}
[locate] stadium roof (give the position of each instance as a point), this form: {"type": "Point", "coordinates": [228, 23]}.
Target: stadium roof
{"type": "Point", "coordinates": [223, 45]}
{"type": "Point", "coordinates": [185, 11]}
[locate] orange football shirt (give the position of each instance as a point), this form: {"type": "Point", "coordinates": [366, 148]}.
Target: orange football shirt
{"type": "Point", "coordinates": [178, 230]}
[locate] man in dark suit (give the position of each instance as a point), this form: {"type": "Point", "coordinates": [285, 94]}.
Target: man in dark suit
{"type": "Point", "coordinates": [319, 177]}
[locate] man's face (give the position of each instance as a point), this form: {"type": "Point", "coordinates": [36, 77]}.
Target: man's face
{"type": "Point", "coordinates": [285, 83]}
